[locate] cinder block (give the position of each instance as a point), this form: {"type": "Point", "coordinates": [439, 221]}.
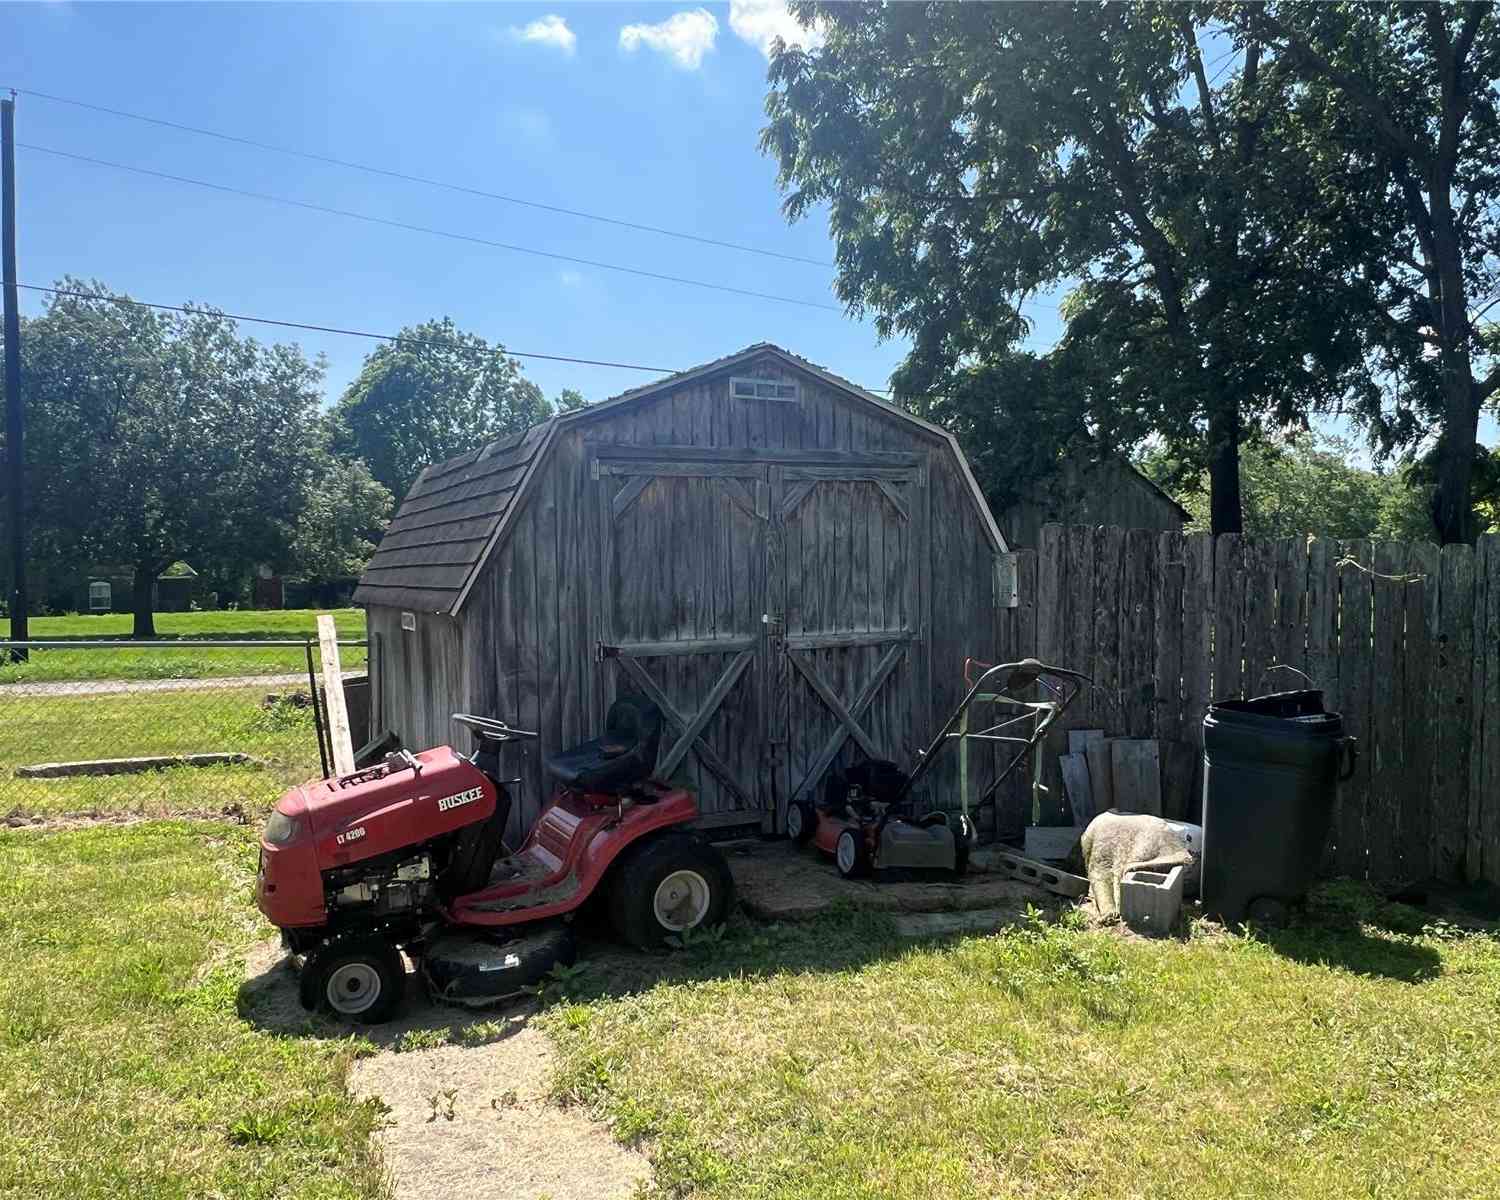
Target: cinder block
{"type": "Point", "coordinates": [1150, 901]}
{"type": "Point", "coordinates": [1054, 842]}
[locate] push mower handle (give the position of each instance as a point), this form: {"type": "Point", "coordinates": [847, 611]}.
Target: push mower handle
{"type": "Point", "coordinates": [489, 727]}
{"type": "Point", "coordinates": [1025, 667]}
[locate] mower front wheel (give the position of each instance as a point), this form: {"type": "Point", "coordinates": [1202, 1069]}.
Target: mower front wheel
{"type": "Point", "coordinates": [359, 977]}
{"type": "Point", "coordinates": [674, 883]}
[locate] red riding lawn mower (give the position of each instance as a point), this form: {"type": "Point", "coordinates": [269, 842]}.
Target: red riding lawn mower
{"type": "Point", "coordinates": [407, 855]}
{"type": "Point", "coordinates": [868, 820]}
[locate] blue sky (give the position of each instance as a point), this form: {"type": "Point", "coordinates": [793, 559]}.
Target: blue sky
{"type": "Point", "coordinates": [643, 112]}
{"type": "Point", "coordinates": [647, 113]}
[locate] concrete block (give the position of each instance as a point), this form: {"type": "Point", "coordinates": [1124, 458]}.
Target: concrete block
{"type": "Point", "coordinates": [1151, 901]}
{"type": "Point", "coordinates": [1049, 841]}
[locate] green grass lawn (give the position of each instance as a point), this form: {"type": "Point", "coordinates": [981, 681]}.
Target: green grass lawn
{"type": "Point", "coordinates": [165, 660]}
{"type": "Point", "coordinates": [70, 728]}
{"type": "Point", "coordinates": [1357, 1056]}
{"type": "Point", "coordinates": [126, 1069]}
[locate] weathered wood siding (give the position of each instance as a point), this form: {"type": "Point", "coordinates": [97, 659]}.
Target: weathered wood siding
{"type": "Point", "coordinates": [419, 677]}
{"type": "Point", "coordinates": [849, 524]}
{"type": "Point", "coordinates": [1404, 641]}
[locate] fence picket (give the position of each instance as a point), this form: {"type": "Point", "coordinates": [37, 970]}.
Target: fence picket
{"type": "Point", "coordinates": [1260, 613]}
{"type": "Point", "coordinates": [1229, 616]}
{"type": "Point", "coordinates": [1485, 781]}
{"type": "Point", "coordinates": [1289, 619]}
{"type": "Point", "coordinates": [1452, 686]}
{"type": "Point", "coordinates": [1387, 744]}
{"type": "Point", "coordinates": [1197, 658]}
{"type": "Point", "coordinates": [1355, 679]}
{"type": "Point", "coordinates": [1417, 833]}
{"type": "Point", "coordinates": [1109, 554]}
{"type": "Point", "coordinates": [1176, 749]}
{"type": "Point", "coordinates": [1056, 581]}
{"type": "Point", "coordinates": [1138, 632]}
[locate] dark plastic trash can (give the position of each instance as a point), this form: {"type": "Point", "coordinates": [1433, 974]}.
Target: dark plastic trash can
{"type": "Point", "coordinates": [1271, 767]}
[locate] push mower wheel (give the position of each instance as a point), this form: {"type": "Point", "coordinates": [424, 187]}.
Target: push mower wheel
{"type": "Point", "coordinates": [801, 820]}
{"type": "Point", "coordinates": [964, 838]}
{"type": "Point", "coordinates": [672, 883]}
{"type": "Point", "coordinates": [358, 977]}
{"type": "Point", "coordinates": [850, 854]}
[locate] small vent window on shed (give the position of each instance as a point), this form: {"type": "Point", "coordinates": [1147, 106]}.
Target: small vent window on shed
{"type": "Point", "coordinates": [99, 596]}
{"type": "Point", "coordinates": [764, 389]}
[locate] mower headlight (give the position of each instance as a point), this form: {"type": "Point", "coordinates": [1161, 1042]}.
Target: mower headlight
{"type": "Point", "coordinates": [281, 828]}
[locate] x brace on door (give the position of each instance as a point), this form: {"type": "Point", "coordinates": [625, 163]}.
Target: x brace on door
{"type": "Point", "coordinates": [692, 727]}
{"type": "Point", "coordinates": [849, 725]}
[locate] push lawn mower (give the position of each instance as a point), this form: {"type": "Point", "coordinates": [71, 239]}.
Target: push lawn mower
{"type": "Point", "coordinates": [407, 854]}
{"type": "Point", "coordinates": [867, 820]}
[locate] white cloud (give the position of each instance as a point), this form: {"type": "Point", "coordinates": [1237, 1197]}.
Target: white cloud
{"type": "Point", "coordinates": [761, 22]}
{"type": "Point", "coordinates": [550, 30]}
{"type": "Point", "coordinates": [683, 37]}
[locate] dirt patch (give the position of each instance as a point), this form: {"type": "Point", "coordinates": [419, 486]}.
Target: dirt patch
{"type": "Point", "coordinates": [465, 1120]}
{"type": "Point", "coordinates": [777, 881]}
{"type": "Point", "coordinates": [232, 814]}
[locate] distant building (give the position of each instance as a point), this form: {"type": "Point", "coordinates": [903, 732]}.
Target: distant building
{"type": "Point", "coordinates": [1111, 492]}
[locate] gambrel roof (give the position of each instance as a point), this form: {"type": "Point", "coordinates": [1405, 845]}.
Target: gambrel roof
{"type": "Point", "coordinates": [458, 511]}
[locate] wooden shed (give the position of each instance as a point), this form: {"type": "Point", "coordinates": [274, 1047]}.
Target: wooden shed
{"type": "Point", "coordinates": [791, 567]}
{"type": "Point", "coordinates": [1107, 492]}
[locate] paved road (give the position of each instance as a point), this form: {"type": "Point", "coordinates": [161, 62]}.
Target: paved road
{"type": "Point", "coordinates": [102, 687]}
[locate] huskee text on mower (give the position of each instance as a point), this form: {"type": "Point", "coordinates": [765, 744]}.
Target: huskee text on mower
{"type": "Point", "coordinates": [407, 855]}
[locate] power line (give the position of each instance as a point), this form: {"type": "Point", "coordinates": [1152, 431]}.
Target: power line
{"type": "Point", "coordinates": [428, 229]}
{"type": "Point", "coordinates": [441, 343]}
{"type": "Point", "coordinates": [426, 181]}
{"type": "Point", "coordinates": [343, 331]}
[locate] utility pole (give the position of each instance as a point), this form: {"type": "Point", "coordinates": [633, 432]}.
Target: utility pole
{"type": "Point", "coordinates": [15, 423]}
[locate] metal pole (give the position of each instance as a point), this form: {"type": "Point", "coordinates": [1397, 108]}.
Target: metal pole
{"type": "Point", "coordinates": [14, 413]}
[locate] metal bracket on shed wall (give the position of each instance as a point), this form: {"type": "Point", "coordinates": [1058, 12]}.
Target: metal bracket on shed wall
{"type": "Point", "coordinates": [1006, 592]}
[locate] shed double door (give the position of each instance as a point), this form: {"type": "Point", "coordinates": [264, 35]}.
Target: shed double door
{"type": "Point", "coordinates": [769, 609]}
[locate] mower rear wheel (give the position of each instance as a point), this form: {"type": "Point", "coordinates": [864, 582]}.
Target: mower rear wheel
{"type": "Point", "coordinates": [673, 883]}
{"type": "Point", "coordinates": [850, 854]}
{"type": "Point", "coordinates": [359, 977]}
{"type": "Point", "coordinates": [801, 820]}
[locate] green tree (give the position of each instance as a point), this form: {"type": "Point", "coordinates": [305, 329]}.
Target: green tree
{"type": "Point", "coordinates": [1016, 418]}
{"type": "Point", "coordinates": [432, 393]}
{"type": "Point", "coordinates": [164, 436]}
{"type": "Point", "coordinates": [344, 511]}
{"type": "Point", "coordinates": [570, 399]}
{"type": "Point", "coordinates": [1307, 485]}
{"type": "Point", "coordinates": [970, 155]}
{"type": "Point", "coordinates": [1402, 98]}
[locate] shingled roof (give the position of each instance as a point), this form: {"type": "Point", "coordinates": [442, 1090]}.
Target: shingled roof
{"type": "Point", "coordinates": [457, 511]}
{"type": "Point", "coordinates": [446, 522]}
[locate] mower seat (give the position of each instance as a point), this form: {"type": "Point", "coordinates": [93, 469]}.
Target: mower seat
{"type": "Point", "coordinates": [624, 756]}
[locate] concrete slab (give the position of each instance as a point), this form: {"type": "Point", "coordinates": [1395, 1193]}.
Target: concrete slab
{"type": "Point", "coordinates": [778, 881]}
{"type": "Point", "coordinates": [948, 924]}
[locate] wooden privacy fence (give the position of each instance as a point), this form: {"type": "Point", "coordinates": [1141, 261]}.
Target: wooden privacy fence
{"type": "Point", "coordinates": [1404, 640]}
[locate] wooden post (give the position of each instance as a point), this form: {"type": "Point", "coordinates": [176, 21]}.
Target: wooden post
{"type": "Point", "coordinates": [15, 423]}
{"type": "Point", "coordinates": [333, 695]}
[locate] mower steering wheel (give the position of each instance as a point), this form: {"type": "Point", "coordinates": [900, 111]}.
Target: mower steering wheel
{"type": "Point", "coordinates": [489, 727]}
